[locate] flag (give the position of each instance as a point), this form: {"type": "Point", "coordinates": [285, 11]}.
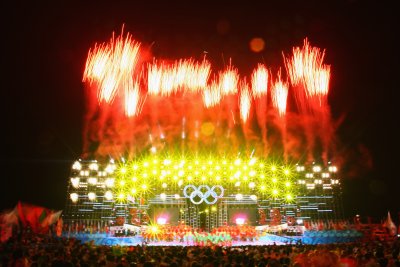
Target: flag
{"type": "Point", "coordinates": [5, 232]}
{"type": "Point", "coordinates": [51, 218]}
{"type": "Point", "coordinates": [37, 217]}
{"type": "Point", "coordinates": [7, 221]}
{"type": "Point", "coordinates": [389, 224]}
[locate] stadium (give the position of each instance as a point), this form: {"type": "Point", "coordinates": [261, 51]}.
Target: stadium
{"type": "Point", "coordinates": [178, 145]}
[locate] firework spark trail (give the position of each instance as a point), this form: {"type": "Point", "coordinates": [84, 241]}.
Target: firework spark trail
{"type": "Point", "coordinates": [109, 64]}
{"type": "Point", "coordinates": [132, 98]}
{"type": "Point", "coordinates": [245, 101]}
{"type": "Point", "coordinates": [182, 90]}
{"type": "Point", "coordinates": [259, 81]}
{"type": "Point", "coordinates": [279, 94]}
{"type": "Point", "coordinates": [310, 80]}
{"type": "Point", "coordinates": [259, 89]}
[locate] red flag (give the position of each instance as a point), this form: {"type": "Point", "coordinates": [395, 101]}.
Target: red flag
{"type": "Point", "coordinates": [33, 216]}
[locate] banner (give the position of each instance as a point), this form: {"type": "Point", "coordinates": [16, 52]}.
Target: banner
{"type": "Point", "coordinates": [37, 217]}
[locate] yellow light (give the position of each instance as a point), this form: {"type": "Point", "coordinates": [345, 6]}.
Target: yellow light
{"type": "Point", "coordinates": [77, 166]}
{"type": "Point", "coordinates": [206, 210]}
{"type": "Point", "coordinates": [287, 172]}
{"type": "Point", "coordinates": [263, 188]}
{"type": "Point", "coordinates": [163, 196]}
{"type": "Point", "coordinates": [262, 176]}
{"type": "Point", "coordinates": [135, 167]}
{"type": "Point", "coordinates": [274, 180]}
{"type": "Point", "coordinates": [91, 196]}
{"type": "Point", "coordinates": [252, 173]}
{"type": "Point", "coordinates": [154, 229]}
{"type": "Point", "coordinates": [203, 178]}
{"type": "Point", "coordinates": [261, 165]}
{"type": "Point", "coordinates": [180, 183]}
{"type": "Point", "coordinates": [144, 186]}
{"type": "Point", "coordinates": [252, 185]}
{"type": "Point", "coordinates": [237, 174]}
{"type": "Point", "coordinates": [210, 162]}
{"type": "Point", "coordinates": [275, 192]}
{"type": "Point", "coordinates": [164, 185]}
{"type": "Point", "coordinates": [123, 170]}
{"type": "Point", "coordinates": [181, 173]}
{"type": "Point", "coordinates": [190, 178]}
{"type": "Point", "coordinates": [121, 196]}
{"type": "Point", "coordinates": [237, 162]}
{"type": "Point", "coordinates": [287, 184]}
{"type": "Point", "coordinates": [145, 164]}
{"type": "Point", "coordinates": [92, 181]}
{"type": "Point", "coordinates": [109, 182]}
{"type": "Point", "coordinates": [289, 197]}
{"type": "Point", "coordinates": [177, 196]}
{"type": "Point", "coordinates": [108, 195]}
{"type": "Point", "coordinates": [134, 179]}
{"type": "Point", "coordinates": [252, 161]}
{"type": "Point", "coordinates": [213, 208]}
{"type": "Point", "coordinates": [74, 197]}
{"type": "Point", "coordinates": [122, 182]}
{"type": "Point", "coordinates": [273, 168]}
{"type": "Point", "coordinates": [94, 166]}
{"type": "Point", "coordinates": [218, 178]}
{"type": "Point", "coordinates": [167, 162]}
{"type": "Point", "coordinates": [75, 182]}
{"type": "Point", "coordinates": [134, 191]}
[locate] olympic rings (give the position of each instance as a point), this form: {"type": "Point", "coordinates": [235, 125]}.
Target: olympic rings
{"type": "Point", "coordinates": [198, 192]}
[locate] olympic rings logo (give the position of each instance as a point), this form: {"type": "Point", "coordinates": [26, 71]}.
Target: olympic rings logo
{"type": "Point", "coordinates": [203, 192]}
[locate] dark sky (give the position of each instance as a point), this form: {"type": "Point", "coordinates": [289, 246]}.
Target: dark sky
{"type": "Point", "coordinates": [45, 48]}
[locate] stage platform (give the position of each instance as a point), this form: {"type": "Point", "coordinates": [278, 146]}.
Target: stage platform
{"type": "Point", "coordinates": [309, 237]}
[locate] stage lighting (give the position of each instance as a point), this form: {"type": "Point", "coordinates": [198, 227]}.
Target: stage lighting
{"type": "Point", "coordinates": [74, 197]}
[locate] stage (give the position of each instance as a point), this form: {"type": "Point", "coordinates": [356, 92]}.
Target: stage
{"type": "Point", "coordinates": [309, 237]}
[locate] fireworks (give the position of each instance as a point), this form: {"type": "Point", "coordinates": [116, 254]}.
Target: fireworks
{"type": "Point", "coordinates": [139, 107]}
{"type": "Point", "coordinates": [279, 95]}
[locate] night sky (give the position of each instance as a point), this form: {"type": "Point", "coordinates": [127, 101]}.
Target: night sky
{"type": "Point", "coordinates": [45, 48]}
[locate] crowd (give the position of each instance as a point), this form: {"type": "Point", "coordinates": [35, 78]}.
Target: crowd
{"type": "Point", "coordinates": [28, 249]}
{"type": "Point", "coordinates": [222, 236]}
